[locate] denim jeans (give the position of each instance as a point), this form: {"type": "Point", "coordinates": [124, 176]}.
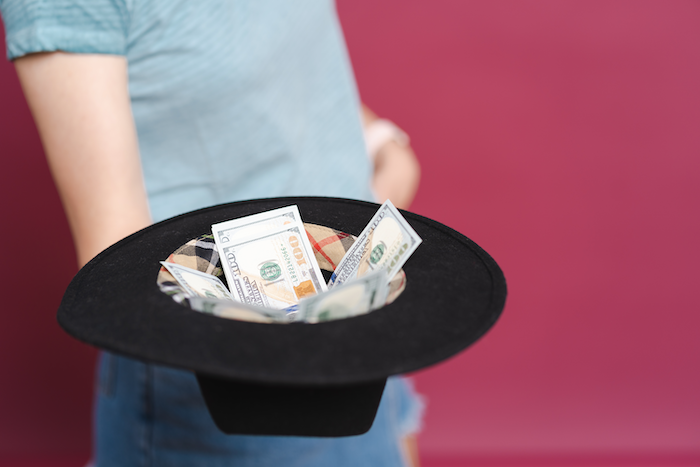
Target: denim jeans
{"type": "Point", "coordinates": [149, 415]}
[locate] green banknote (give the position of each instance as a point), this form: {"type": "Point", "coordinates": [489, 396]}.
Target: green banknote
{"type": "Point", "coordinates": [274, 269]}
{"type": "Point", "coordinates": [256, 224]}
{"type": "Point", "coordinates": [386, 243]}
{"type": "Point", "coordinates": [237, 310]}
{"type": "Point", "coordinates": [196, 283]}
{"type": "Point", "coordinates": [354, 298]}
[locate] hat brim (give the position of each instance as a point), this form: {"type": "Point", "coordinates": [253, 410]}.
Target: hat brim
{"type": "Point", "coordinates": [455, 292]}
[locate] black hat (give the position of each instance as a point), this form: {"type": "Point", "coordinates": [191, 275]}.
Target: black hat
{"type": "Point", "coordinates": [322, 379]}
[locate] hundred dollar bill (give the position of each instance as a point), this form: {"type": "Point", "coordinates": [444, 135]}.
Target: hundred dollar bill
{"type": "Point", "coordinates": [353, 298]}
{"type": "Point", "coordinates": [240, 311]}
{"type": "Point", "coordinates": [196, 283]}
{"type": "Point", "coordinates": [273, 269]}
{"type": "Point", "coordinates": [386, 243]}
{"type": "Point", "coordinates": [357, 297]}
{"type": "Point", "coordinates": [256, 224]}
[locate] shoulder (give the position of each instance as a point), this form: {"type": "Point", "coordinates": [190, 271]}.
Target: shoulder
{"type": "Point", "coordinates": [79, 26]}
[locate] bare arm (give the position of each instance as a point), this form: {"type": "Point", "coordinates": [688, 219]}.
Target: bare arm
{"type": "Point", "coordinates": [396, 170]}
{"type": "Point", "coordinates": [82, 110]}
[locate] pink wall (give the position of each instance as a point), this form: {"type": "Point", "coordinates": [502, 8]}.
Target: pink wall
{"type": "Point", "coordinates": [561, 136]}
{"type": "Point", "coordinates": [45, 376]}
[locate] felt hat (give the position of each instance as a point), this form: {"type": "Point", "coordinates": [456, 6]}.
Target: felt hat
{"type": "Point", "coordinates": [322, 379]}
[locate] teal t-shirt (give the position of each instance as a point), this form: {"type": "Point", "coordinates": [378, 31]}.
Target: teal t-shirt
{"type": "Point", "coordinates": [232, 99]}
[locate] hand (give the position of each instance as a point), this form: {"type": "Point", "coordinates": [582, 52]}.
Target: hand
{"type": "Point", "coordinates": [396, 174]}
{"type": "Point", "coordinates": [396, 169]}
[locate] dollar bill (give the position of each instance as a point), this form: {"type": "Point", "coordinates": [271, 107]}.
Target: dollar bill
{"type": "Point", "coordinates": [272, 269]}
{"type": "Point", "coordinates": [240, 311]}
{"type": "Point", "coordinates": [196, 283]}
{"type": "Point", "coordinates": [354, 298]}
{"type": "Point", "coordinates": [385, 243]}
{"type": "Point", "coordinates": [256, 224]}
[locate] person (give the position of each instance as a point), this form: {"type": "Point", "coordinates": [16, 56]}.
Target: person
{"type": "Point", "coordinates": [150, 108]}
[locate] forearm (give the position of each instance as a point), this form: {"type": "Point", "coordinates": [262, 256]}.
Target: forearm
{"type": "Point", "coordinates": [82, 110]}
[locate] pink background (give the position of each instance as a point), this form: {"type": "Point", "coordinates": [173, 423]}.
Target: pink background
{"type": "Point", "coordinates": [564, 138]}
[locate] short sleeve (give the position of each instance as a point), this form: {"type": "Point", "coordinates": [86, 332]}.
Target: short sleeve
{"type": "Point", "coordinates": [79, 26]}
